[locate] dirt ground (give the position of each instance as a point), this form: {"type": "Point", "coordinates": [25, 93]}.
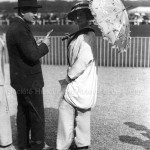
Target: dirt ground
{"type": "Point", "coordinates": [121, 118]}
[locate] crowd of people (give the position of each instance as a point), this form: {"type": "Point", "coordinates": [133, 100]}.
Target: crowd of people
{"type": "Point", "coordinates": [61, 19]}
{"type": "Point", "coordinates": [41, 18]}
{"type": "Point", "coordinates": [139, 18]}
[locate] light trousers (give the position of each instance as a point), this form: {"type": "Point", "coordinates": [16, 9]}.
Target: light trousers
{"type": "Point", "coordinates": [73, 124]}
{"type": "Point", "coordinates": [5, 123]}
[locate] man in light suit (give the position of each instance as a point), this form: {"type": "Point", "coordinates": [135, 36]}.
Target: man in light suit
{"type": "Point", "coordinates": [26, 75]}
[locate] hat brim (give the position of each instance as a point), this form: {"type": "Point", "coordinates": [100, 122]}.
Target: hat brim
{"type": "Point", "coordinates": [37, 6]}
{"type": "Point", "coordinates": [71, 15]}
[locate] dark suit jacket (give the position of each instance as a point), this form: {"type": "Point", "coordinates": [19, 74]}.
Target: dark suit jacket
{"type": "Point", "coordinates": [24, 55]}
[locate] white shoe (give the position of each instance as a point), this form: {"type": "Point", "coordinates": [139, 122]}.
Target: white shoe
{"type": "Point", "coordinates": [46, 147]}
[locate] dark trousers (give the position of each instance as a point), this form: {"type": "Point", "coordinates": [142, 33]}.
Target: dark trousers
{"type": "Point", "coordinates": [30, 119]}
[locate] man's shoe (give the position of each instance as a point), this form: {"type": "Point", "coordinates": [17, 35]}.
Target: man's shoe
{"type": "Point", "coordinates": [82, 148]}
{"type": "Point", "coordinates": [23, 149]}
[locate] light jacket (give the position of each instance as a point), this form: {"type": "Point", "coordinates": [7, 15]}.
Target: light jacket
{"type": "Point", "coordinates": [82, 70]}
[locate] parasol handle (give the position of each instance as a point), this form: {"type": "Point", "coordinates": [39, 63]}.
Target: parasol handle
{"type": "Point", "coordinates": [66, 37]}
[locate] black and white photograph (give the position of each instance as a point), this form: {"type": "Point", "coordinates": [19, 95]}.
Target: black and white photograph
{"type": "Point", "coordinates": [74, 74]}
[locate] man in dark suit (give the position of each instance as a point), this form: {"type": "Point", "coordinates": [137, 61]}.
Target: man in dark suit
{"type": "Point", "coordinates": [26, 75]}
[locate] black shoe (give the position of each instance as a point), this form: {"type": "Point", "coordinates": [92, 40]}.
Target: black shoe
{"type": "Point", "coordinates": [82, 148]}
{"type": "Point", "coordinates": [10, 147]}
{"type": "Point", "coordinates": [73, 146]}
{"type": "Point", "coordinates": [24, 148]}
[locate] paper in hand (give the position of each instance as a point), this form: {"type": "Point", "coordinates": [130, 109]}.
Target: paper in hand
{"type": "Point", "coordinates": [48, 34]}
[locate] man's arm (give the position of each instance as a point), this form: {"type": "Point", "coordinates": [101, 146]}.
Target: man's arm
{"type": "Point", "coordinates": [84, 58]}
{"type": "Point", "coordinates": [28, 46]}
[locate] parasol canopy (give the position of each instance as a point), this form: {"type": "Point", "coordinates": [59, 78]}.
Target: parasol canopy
{"type": "Point", "coordinates": [112, 18]}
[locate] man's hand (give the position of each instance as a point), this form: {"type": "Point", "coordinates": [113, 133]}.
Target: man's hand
{"type": "Point", "coordinates": [39, 41]}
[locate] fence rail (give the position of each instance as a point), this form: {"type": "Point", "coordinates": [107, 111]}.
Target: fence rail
{"type": "Point", "coordinates": [138, 55]}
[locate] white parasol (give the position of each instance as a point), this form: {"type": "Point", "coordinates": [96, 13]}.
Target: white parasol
{"type": "Point", "coordinates": [112, 18]}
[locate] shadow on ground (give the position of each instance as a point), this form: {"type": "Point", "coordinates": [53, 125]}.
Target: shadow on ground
{"type": "Point", "coordinates": [51, 117]}
{"type": "Point", "coordinates": [136, 140]}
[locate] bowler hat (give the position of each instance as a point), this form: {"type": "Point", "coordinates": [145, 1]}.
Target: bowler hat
{"type": "Point", "coordinates": [80, 6]}
{"type": "Point", "coordinates": [27, 3]}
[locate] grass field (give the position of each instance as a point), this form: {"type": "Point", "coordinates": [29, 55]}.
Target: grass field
{"type": "Point", "coordinates": [121, 118]}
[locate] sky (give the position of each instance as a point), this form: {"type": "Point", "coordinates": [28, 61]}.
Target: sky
{"type": "Point", "coordinates": [12, 0]}
{"type": "Point", "coordinates": [16, 0]}
{"type": "Point", "coordinates": [66, 0]}
{"type": "Point", "coordinates": [8, 0]}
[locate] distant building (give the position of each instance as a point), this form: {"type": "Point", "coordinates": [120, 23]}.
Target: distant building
{"type": "Point", "coordinates": [140, 10]}
{"type": "Point", "coordinates": [136, 0]}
